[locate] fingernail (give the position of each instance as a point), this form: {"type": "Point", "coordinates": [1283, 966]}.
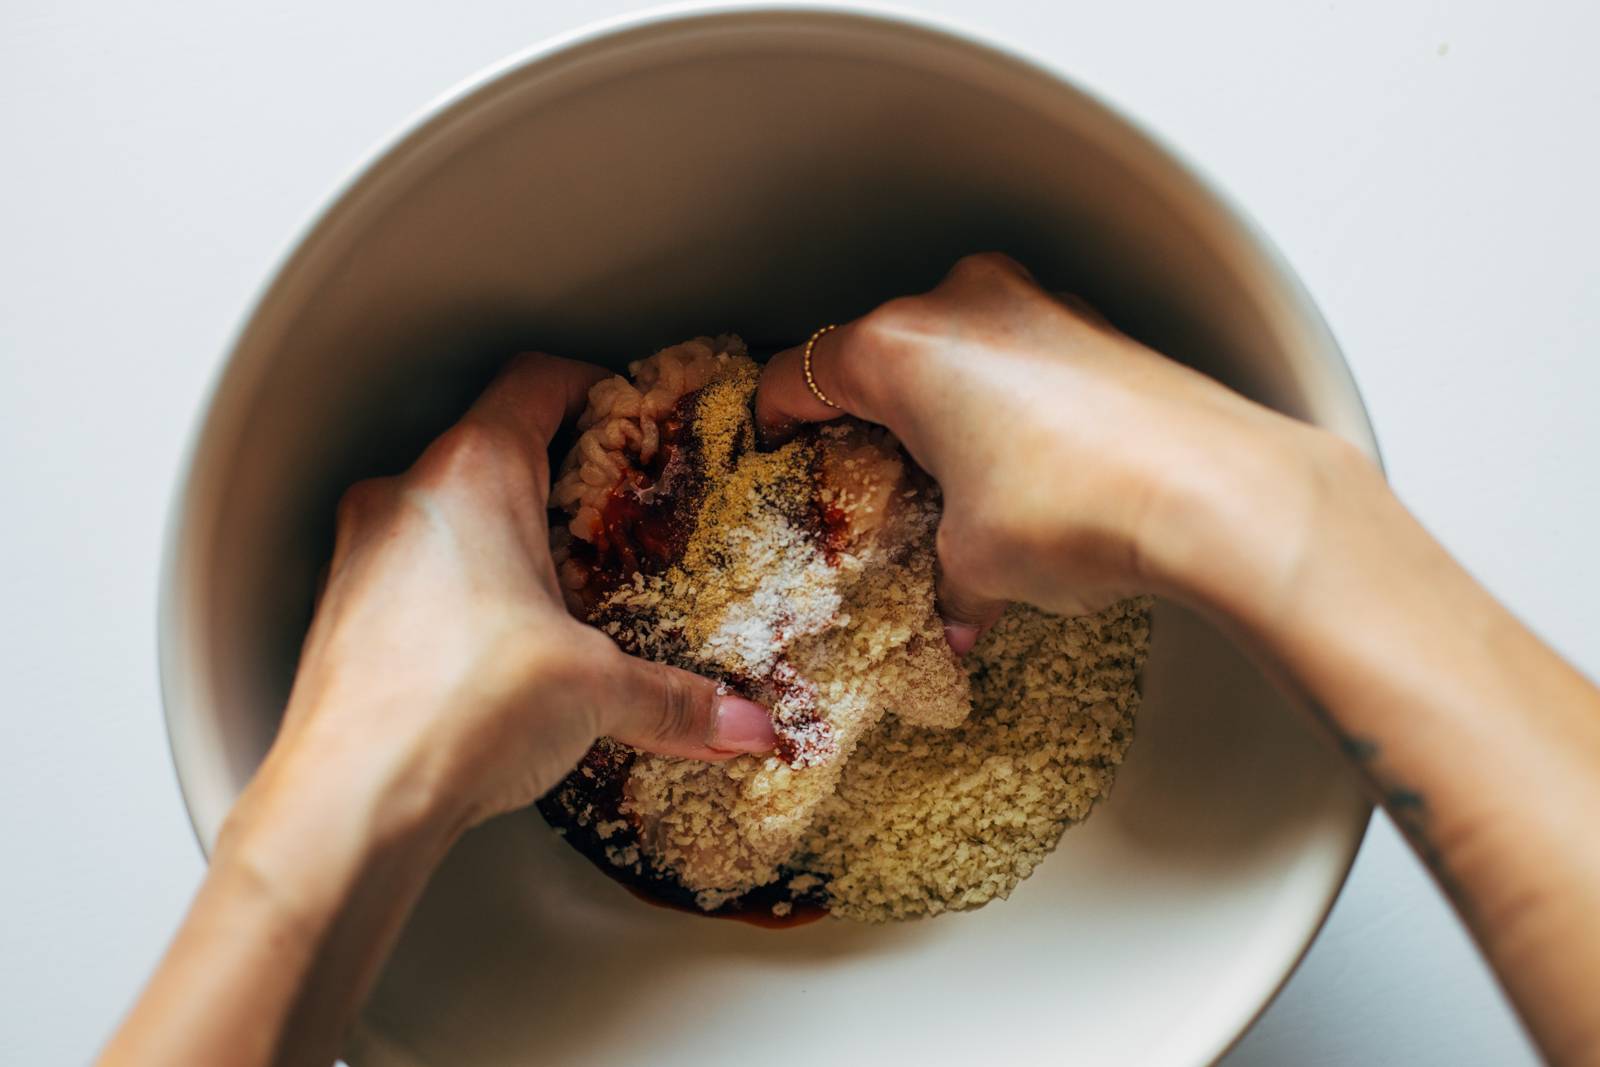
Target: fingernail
{"type": "Point", "coordinates": [742, 726]}
{"type": "Point", "coordinates": [961, 637]}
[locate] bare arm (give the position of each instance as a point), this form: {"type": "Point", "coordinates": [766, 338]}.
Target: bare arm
{"type": "Point", "coordinates": [1079, 466]}
{"type": "Point", "coordinates": [442, 683]}
{"type": "Point", "coordinates": [305, 896]}
{"type": "Point", "coordinates": [1482, 743]}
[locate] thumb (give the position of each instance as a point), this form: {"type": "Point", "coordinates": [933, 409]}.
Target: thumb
{"type": "Point", "coordinates": [966, 614]}
{"type": "Point", "coordinates": [967, 610]}
{"type": "Point", "coordinates": [672, 712]}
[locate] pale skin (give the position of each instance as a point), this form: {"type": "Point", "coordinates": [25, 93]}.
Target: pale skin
{"type": "Point", "coordinates": [442, 683]}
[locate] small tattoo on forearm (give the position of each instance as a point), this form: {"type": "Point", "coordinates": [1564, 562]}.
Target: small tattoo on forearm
{"type": "Point", "coordinates": [1398, 800]}
{"type": "Point", "coordinates": [1407, 807]}
{"type": "Point", "coordinates": [1358, 749]}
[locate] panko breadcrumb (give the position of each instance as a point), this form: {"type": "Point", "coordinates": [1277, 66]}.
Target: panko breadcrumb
{"type": "Point", "coordinates": [926, 821]}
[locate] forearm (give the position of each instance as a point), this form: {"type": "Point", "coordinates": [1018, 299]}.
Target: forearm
{"type": "Point", "coordinates": [1482, 743]}
{"type": "Point", "coordinates": [309, 885]}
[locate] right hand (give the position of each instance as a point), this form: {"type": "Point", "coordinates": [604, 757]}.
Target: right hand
{"type": "Point", "coordinates": [1078, 466]}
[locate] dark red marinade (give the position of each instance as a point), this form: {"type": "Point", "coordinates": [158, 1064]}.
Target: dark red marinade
{"type": "Point", "coordinates": [644, 523]}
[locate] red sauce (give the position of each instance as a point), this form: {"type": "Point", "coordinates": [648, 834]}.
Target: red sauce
{"type": "Point", "coordinates": [644, 523]}
{"type": "Point", "coordinates": [636, 533]}
{"type": "Point", "coordinates": [835, 533]}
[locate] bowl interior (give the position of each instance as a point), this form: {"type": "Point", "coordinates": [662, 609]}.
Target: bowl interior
{"type": "Point", "coordinates": [765, 173]}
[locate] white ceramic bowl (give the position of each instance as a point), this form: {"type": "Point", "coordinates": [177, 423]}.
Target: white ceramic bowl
{"type": "Point", "coordinates": [765, 171]}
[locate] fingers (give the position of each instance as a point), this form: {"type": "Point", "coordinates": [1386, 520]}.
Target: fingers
{"type": "Point", "coordinates": [977, 267]}
{"type": "Point", "coordinates": [967, 610]}
{"type": "Point", "coordinates": [967, 614]}
{"type": "Point", "coordinates": [535, 394]}
{"type": "Point", "coordinates": [867, 349]}
{"type": "Point", "coordinates": [675, 713]}
{"type": "Point", "coordinates": [784, 400]}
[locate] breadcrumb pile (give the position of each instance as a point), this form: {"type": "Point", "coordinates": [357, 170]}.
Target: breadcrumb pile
{"type": "Point", "coordinates": [905, 783]}
{"type": "Point", "coordinates": [926, 821]}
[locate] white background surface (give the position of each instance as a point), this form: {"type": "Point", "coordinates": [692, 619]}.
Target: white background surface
{"type": "Point", "coordinates": [1430, 169]}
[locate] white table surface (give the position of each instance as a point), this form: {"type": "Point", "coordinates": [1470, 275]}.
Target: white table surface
{"type": "Point", "coordinates": [1430, 169]}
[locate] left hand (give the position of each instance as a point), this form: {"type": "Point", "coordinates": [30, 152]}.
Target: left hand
{"type": "Point", "coordinates": [441, 657]}
{"type": "Point", "coordinates": [442, 682]}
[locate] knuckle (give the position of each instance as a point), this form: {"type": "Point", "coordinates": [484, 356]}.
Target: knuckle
{"type": "Point", "coordinates": [890, 323]}
{"type": "Point", "coordinates": [575, 653]}
{"type": "Point", "coordinates": [361, 500]}
{"type": "Point", "coordinates": [679, 708]}
{"type": "Point", "coordinates": [987, 266]}
{"type": "Point", "coordinates": [576, 666]}
{"type": "Point", "coordinates": [987, 280]}
{"type": "Point", "coordinates": [468, 446]}
{"type": "Point", "coordinates": [891, 340]}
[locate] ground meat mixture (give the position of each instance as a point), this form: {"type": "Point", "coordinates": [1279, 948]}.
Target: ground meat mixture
{"type": "Point", "coordinates": [905, 783]}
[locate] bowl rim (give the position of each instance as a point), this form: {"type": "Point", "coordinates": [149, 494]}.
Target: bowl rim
{"type": "Point", "coordinates": [230, 375]}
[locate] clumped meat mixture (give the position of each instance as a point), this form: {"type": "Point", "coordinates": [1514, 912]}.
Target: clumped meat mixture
{"type": "Point", "coordinates": [904, 783]}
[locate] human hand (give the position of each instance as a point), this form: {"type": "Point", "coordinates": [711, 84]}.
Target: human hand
{"type": "Point", "coordinates": [442, 682]}
{"type": "Point", "coordinates": [441, 655]}
{"type": "Point", "coordinates": [1078, 466]}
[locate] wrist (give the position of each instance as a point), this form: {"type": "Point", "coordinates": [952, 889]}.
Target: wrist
{"type": "Point", "coordinates": [315, 823]}
{"type": "Point", "coordinates": [311, 880]}
{"type": "Point", "coordinates": [1236, 537]}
